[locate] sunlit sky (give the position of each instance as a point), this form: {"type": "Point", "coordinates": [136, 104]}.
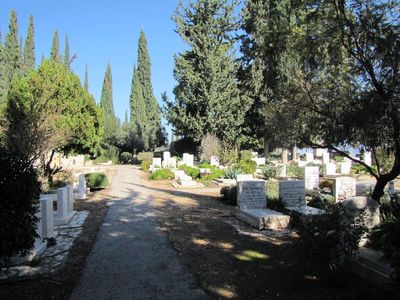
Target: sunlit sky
{"type": "Point", "coordinates": [104, 31]}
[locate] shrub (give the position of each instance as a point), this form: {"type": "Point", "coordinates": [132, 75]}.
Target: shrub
{"type": "Point", "coordinates": [126, 158]}
{"type": "Point", "coordinates": [184, 145]}
{"type": "Point", "coordinates": [96, 181]}
{"type": "Point", "coordinates": [19, 190]}
{"type": "Point", "coordinates": [145, 156]}
{"type": "Point", "coordinates": [245, 155]}
{"type": "Point", "coordinates": [104, 159]}
{"type": "Point", "coordinates": [191, 171]}
{"type": "Point", "coordinates": [322, 200]}
{"type": "Point", "coordinates": [229, 194]}
{"type": "Point", "coordinates": [231, 173]}
{"type": "Point", "coordinates": [269, 171]}
{"type": "Point", "coordinates": [162, 174]}
{"type": "Point", "coordinates": [145, 165]}
{"type": "Point", "coordinates": [293, 170]}
{"type": "Point", "coordinates": [247, 166]}
{"type": "Point", "coordinates": [228, 156]}
{"type": "Point", "coordinates": [385, 236]}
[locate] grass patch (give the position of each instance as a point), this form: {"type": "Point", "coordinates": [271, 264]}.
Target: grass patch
{"type": "Point", "coordinates": [162, 174]}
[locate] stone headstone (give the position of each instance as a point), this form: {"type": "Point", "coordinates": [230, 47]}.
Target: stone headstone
{"type": "Point", "coordinates": [292, 193]}
{"type": "Point", "coordinates": [367, 158]}
{"type": "Point", "coordinates": [309, 157]}
{"type": "Point", "coordinates": [344, 187]}
{"type": "Point", "coordinates": [330, 168]}
{"type": "Point", "coordinates": [214, 161]}
{"type": "Point", "coordinates": [282, 170]}
{"type": "Point", "coordinates": [240, 177]}
{"type": "Point", "coordinates": [284, 156]}
{"type": "Point", "coordinates": [172, 163]}
{"type": "Point", "coordinates": [259, 160]}
{"type": "Point", "coordinates": [82, 187]}
{"type": "Point", "coordinates": [46, 218]}
{"type": "Point", "coordinates": [325, 157]}
{"type": "Point", "coordinates": [166, 155]}
{"type": "Point", "coordinates": [188, 159]}
{"type": "Point", "coordinates": [156, 162]}
{"type": "Point", "coordinates": [254, 154]}
{"type": "Point", "coordinates": [311, 177]}
{"type": "Point", "coordinates": [355, 205]}
{"type": "Point", "coordinates": [345, 168]}
{"type": "Point", "coordinates": [179, 173]}
{"type": "Point", "coordinates": [302, 163]}
{"type": "Point", "coordinates": [251, 194]}
{"type": "Point", "coordinates": [319, 152]}
{"type": "Point", "coordinates": [62, 203]}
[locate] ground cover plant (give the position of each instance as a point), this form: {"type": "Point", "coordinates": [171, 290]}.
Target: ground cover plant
{"type": "Point", "coordinates": [96, 181]}
{"type": "Point", "coordinates": [162, 174]}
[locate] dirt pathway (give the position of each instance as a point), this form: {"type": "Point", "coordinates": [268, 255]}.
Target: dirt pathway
{"type": "Point", "coordinates": [132, 258]}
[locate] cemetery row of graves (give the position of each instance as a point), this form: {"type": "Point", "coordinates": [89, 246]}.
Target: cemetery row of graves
{"type": "Point", "coordinates": [305, 194]}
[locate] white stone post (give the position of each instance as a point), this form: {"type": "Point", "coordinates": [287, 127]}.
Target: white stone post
{"type": "Point", "coordinates": [82, 187]}
{"type": "Point", "coordinates": [367, 158]}
{"type": "Point", "coordinates": [46, 218]}
{"type": "Point", "coordinates": [62, 203]}
{"type": "Point", "coordinates": [70, 197]}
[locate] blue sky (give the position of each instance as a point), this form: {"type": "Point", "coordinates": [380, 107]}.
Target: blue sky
{"type": "Point", "coordinates": [104, 31]}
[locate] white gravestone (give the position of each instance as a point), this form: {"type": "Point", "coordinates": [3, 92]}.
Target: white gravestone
{"type": "Point", "coordinates": [259, 160]}
{"type": "Point", "coordinates": [179, 173]}
{"type": "Point", "coordinates": [156, 162]}
{"type": "Point", "coordinates": [355, 205]}
{"type": "Point", "coordinates": [62, 203]}
{"type": "Point", "coordinates": [319, 152]}
{"type": "Point", "coordinates": [240, 177]}
{"type": "Point", "coordinates": [367, 158]}
{"type": "Point", "coordinates": [309, 157]}
{"type": "Point", "coordinates": [166, 159]}
{"type": "Point", "coordinates": [330, 168]}
{"type": "Point", "coordinates": [172, 163]}
{"type": "Point", "coordinates": [325, 157]}
{"type": "Point", "coordinates": [282, 170]}
{"type": "Point", "coordinates": [345, 168]}
{"type": "Point", "coordinates": [301, 163]}
{"type": "Point", "coordinates": [188, 159]}
{"type": "Point", "coordinates": [311, 177]}
{"type": "Point", "coordinates": [46, 218]}
{"type": "Point", "coordinates": [214, 161]}
{"type": "Point", "coordinates": [292, 193]}
{"type": "Point", "coordinates": [82, 187]}
{"type": "Point", "coordinates": [344, 187]}
{"type": "Point", "coordinates": [251, 194]}
{"type": "Point", "coordinates": [70, 198]}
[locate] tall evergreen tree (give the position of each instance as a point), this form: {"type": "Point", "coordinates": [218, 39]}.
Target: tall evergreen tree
{"type": "Point", "coordinates": [207, 98]}
{"type": "Point", "coordinates": [55, 48]}
{"type": "Point", "coordinates": [11, 56]}
{"type": "Point", "coordinates": [150, 102]}
{"type": "Point", "coordinates": [106, 103]}
{"type": "Point", "coordinates": [66, 53]}
{"type": "Point", "coordinates": [86, 83]}
{"type": "Point", "coordinates": [29, 47]}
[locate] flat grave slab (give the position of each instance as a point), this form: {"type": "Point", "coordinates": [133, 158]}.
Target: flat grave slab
{"type": "Point", "coordinates": [263, 218]}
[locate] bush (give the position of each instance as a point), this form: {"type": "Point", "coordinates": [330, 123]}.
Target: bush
{"type": "Point", "coordinates": [145, 156]}
{"type": "Point", "coordinates": [322, 201]}
{"type": "Point", "coordinates": [19, 190]}
{"type": "Point", "coordinates": [269, 171]}
{"type": "Point", "coordinates": [231, 173]}
{"type": "Point", "coordinates": [293, 170]}
{"type": "Point", "coordinates": [229, 194]}
{"type": "Point", "coordinates": [247, 166]}
{"type": "Point", "coordinates": [104, 159]}
{"type": "Point", "coordinates": [245, 155]}
{"type": "Point", "coordinates": [385, 236]}
{"type": "Point", "coordinates": [145, 165]}
{"type": "Point", "coordinates": [96, 181]}
{"type": "Point", "coordinates": [126, 158]}
{"type": "Point", "coordinates": [184, 145]}
{"type": "Point", "coordinates": [162, 174]}
{"type": "Point", "coordinates": [191, 171]}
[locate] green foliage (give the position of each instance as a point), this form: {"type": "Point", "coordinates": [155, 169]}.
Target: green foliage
{"type": "Point", "coordinates": [126, 158]}
{"type": "Point", "coordinates": [246, 166]}
{"type": "Point", "coordinates": [106, 103]}
{"type": "Point", "coordinates": [385, 236]}
{"type": "Point", "coordinates": [322, 201]}
{"type": "Point", "coordinates": [269, 171]}
{"type": "Point", "coordinates": [184, 145]}
{"type": "Point", "coordinates": [207, 98]}
{"type": "Point", "coordinates": [162, 174]}
{"type": "Point", "coordinates": [148, 156]}
{"type": "Point", "coordinates": [86, 82]}
{"type": "Point", "coordinates": [245, 155]}
{"type": "Point", "coordinates": [231, 173]}
{"type": "Point", "coordinates": [338, 158]}
{"type": "Point", "coordinates": [333, 238]}
{"type": "Point", "coordinates": [145, 165]}
{"type": "Point", "coordinates": [293, 170]}
{"type": "Point", "coordinates": [216, 172]}
{"type": "Point", "coordinates": [272, 190]}
{"type": "Point", "coordinates": [191, 171]}
{"type": "Point", "coordinates": [55, 49]}
{"type": "Point", "coordinates": [66, 53]}
{"type": "Point", "coordinates": [96, 180]}
{"type": "Point", "coordinates": [19, 190]}
{"type": "Point", "coordinates": [229, 194]}
{"type": "Point", "coordinates": [29, 47]}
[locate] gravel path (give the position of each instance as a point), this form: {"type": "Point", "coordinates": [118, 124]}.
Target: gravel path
{"type": "Point", "coordinates": [132, 258]}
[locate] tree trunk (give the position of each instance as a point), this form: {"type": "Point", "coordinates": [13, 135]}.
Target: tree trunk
{"type": "Point", "coordinates": [381, 182]}
{"type": "Point", "coordinates": [266, 146]}
{"type": "Point", "coordinates": [47, 170]}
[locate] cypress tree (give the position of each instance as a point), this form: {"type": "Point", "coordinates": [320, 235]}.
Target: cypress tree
{"type": "Point", "coordinates": [11, 56]}
{"type": "Point", "coordinates": [29, 47]}
{"type": "Point", "coordinates": [55, 48]}
{"type": "Point", "coordinates": [86, 83]}
{"type": "Point", "coordinates": [207, 97]}
{"type": "Point", "coordinates": [153, 114]}
{"type": "Point", "coordinates": [66, 53]}
{"type": "Point", "coordinates": [106, 103]}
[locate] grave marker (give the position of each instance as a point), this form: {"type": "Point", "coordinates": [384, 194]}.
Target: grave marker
{"type": "Point", "coordinates": [251, 194]}
{"type": "Point", "coordinates": [330, 168]}
{"type": "Point", "coordinates": [311, 177]}
{"type": "Point", "coordinates": [309, 157]}
{"type": "Point", "coordinates": [292, 193]}
{"type": "Point", "coordinates": [344, 187]}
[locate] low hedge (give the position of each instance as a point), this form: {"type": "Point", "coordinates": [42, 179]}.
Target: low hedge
{"type": "Point", "coordinates": [162, 174]}
{"type": "Point", "coordinates": [96, 180]}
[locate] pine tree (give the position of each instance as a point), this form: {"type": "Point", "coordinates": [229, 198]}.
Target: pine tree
{"type": "Point", "coordinates": [106, 103]}
{"type": "Point", "coordinates": [29, 47]}
{"type": "Point", "coordinates": [207, 98]}
{"type": "Point", "coordinates": [55, 48]}
{"type": "Point", "coordinates": [11, 56]}
{"type": "Point", "coordinates": [86, 83]}
{"type": "Point", "coordinates": [66, 53]}
{"type": "Point", "coordinates": [153, 114]}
